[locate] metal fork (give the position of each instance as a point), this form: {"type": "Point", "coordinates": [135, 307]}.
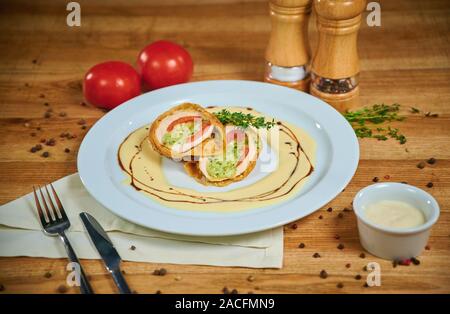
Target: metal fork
{"type": "Point", "coordinates": [55, 222]}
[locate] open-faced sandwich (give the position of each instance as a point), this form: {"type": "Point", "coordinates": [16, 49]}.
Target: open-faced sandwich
{"type": "Point", "coordinates": [234, 164]}
{"type": "Point", "coordinates": [187, 131]}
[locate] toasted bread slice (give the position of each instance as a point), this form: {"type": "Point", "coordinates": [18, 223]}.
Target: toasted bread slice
{"type": "Point", "coordinates": [206, 146]}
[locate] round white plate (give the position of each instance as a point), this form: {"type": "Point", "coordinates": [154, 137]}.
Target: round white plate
{"type": "Point", "coordinates": [336, 158]}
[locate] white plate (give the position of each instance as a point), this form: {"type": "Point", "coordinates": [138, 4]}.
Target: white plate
{"type": "Point", "coordinates": [336, 161]}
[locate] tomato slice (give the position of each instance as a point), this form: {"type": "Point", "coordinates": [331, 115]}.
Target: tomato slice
{"type": "Point", "coordinates": [235, 135]}
{"type": "Point", "coordinates": [182, 120]}
{"type": "Point", "coordinates": [246, 150]}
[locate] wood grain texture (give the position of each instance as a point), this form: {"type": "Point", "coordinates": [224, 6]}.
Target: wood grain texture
{"type": "Point", "coordinates": [406, 60]}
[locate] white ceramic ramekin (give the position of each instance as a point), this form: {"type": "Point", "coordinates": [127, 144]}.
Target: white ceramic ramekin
{"type": "Point", "coordinates": [395, 243]}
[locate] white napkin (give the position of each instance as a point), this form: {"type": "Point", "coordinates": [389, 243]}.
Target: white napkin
{"type": "Point", "coordinates": [21, 235]}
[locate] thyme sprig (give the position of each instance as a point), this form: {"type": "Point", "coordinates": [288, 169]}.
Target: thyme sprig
{"type": "Point", "coordinates": [243, 120]}
{"type": "Point", "coordinates": [377, 114]}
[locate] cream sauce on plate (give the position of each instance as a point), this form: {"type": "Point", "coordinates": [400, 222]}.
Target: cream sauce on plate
{"type": "Point", "coordinates": [296, 157]}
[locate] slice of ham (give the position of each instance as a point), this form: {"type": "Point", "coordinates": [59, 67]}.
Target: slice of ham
{"type": "Point", "coordinates": [250, 152]}
{"type": "Point", "coordinates": [169, 123]}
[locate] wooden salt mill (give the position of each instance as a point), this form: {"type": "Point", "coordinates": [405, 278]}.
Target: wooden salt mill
{"type": "Point", "coordinates": [288, 52]}
{"type": "Point", "coordinates": [335, 65]}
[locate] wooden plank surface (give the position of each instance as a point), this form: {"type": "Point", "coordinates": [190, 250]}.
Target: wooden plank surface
{"type": "Point", "coordinates": [405, 61]}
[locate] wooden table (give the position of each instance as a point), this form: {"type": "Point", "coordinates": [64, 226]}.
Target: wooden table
{"type": "Point", "coordinates": [405, 61]}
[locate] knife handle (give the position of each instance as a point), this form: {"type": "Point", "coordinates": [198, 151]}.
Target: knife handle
{"type": "Point", "coordinates": [120, 282]}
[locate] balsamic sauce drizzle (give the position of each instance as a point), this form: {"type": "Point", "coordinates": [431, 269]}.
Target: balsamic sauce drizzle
{"type": "Point", "coordinates": [268, 195]}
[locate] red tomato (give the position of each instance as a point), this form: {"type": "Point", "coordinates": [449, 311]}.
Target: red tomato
{"type": "Point", "coordinates": [111, 83]}
{"type": "Point", "coordinates": [164, 63]}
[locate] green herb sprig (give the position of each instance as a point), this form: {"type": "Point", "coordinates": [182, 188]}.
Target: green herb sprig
{"type": "Point", "coordinates": [377, 114]}
{"type": "Point", "coordinates": [243, 120]}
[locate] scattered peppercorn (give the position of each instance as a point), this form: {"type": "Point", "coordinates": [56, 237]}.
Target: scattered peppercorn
{"type": "Point", "coordinates": [337, 236]}
{"type": "Point", "coordinates": [316, 255]}
{"type": "Point", "coordinates": [67, 150]}
{"type": "Point", "coordinates": [364, 268]}
{"type": "Point", "coordinates": [320, 217]}
{"type": "Point", "coordinates": [250, 278]}
{"type": "Point", "coordinates": [45, 154]}
{"type": "Point", "coordinates": [348, 265]}
{"type": "Point", "coordinates": [225, 290]}
{"type": "Point", "coordinates": [33, 134]}
{"type": "Point", "coordinates": [294, 226]}
{"type": "Point", "coordinates": [83, 127]}
{"type": "Point", "coordinates": [301, 245]}
{"type": "Point", "coordinates": [33, 149]}
{"type": "Point", "coordinates": [387, 177]}
{"type": "Point", "coordinates": [394, 264]}
{"type": "Point", "coordinates": [346, 209]}
{"type": "Point", "coordinates": [340, 215]}
{"type": "Point", "coordinates": [431, 161]}
{"type": "Point", "coordinates": [158, 292]}
{"type": "Point", "coordinates": [47, 115]}
{"type": "Point", "coordinates": [132, 248]}
{"type": "Point", "coordinates": [48, 275]}
{"type": "Point", "coordinates": [366, 285]}
{"type": "Point", "coordinates": [51, 142]}
{"type": "Point", "coordinates": [234, 291]}
{"type": "Point", "coordinates": [427, 247]}
{"type": "Point", "coordinates": [375, 179]}
{"type": "Point", "coordinates": [415, 261]}
{"type": "Point", "coordinates": [43, 140]}
{"type": "Point", "coordinates": [421, 165]}
{"type": "Point", "coordinates": [41, 96]}
{"type": "Point", "coordinates": [83, 104]}
{"type": "Point", "coordinates": [62, 289]}
{"type": "Point", "coordinates": [340, 285]}
{"type": "Point", "coordinates": [340, 246]}
{"type": "Point", "coordinates": [34, 61]}
{"type": "Point", "coordinates": [329, 209]}
{"type": "Point", "coordinates": [429, 184]}
{"type": "Point", "coordinates": [323, 274]}
{"type": "Point", "coordinates": [2, 287]}
{"type": "Point", "coordinates": [362, 255]}
{"type": "Point", "coordinates": [358, 277]}
{"type": "Point", "coordinates": [46, 104]}
{"type": "Point", "coordinates": [160, 272]}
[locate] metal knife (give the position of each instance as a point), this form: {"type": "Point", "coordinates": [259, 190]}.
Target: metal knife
{"type": "Point", "coordinates": [106, 250]}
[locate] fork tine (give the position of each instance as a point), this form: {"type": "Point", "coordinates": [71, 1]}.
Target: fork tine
{"type": "Point", "coordinates": [50, 217]}
{"type": "Point", "coordinates": [57, 215]}
{"type": "Point", "coordinates": [58, 202]}
{"type": "Point", "coordinates": [39, 208]}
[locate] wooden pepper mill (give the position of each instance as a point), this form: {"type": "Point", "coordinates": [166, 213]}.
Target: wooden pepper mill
{"type": "Point", "coordinates": [335, 65]}
{"type": "Point", "coordinates": [288, 52]}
